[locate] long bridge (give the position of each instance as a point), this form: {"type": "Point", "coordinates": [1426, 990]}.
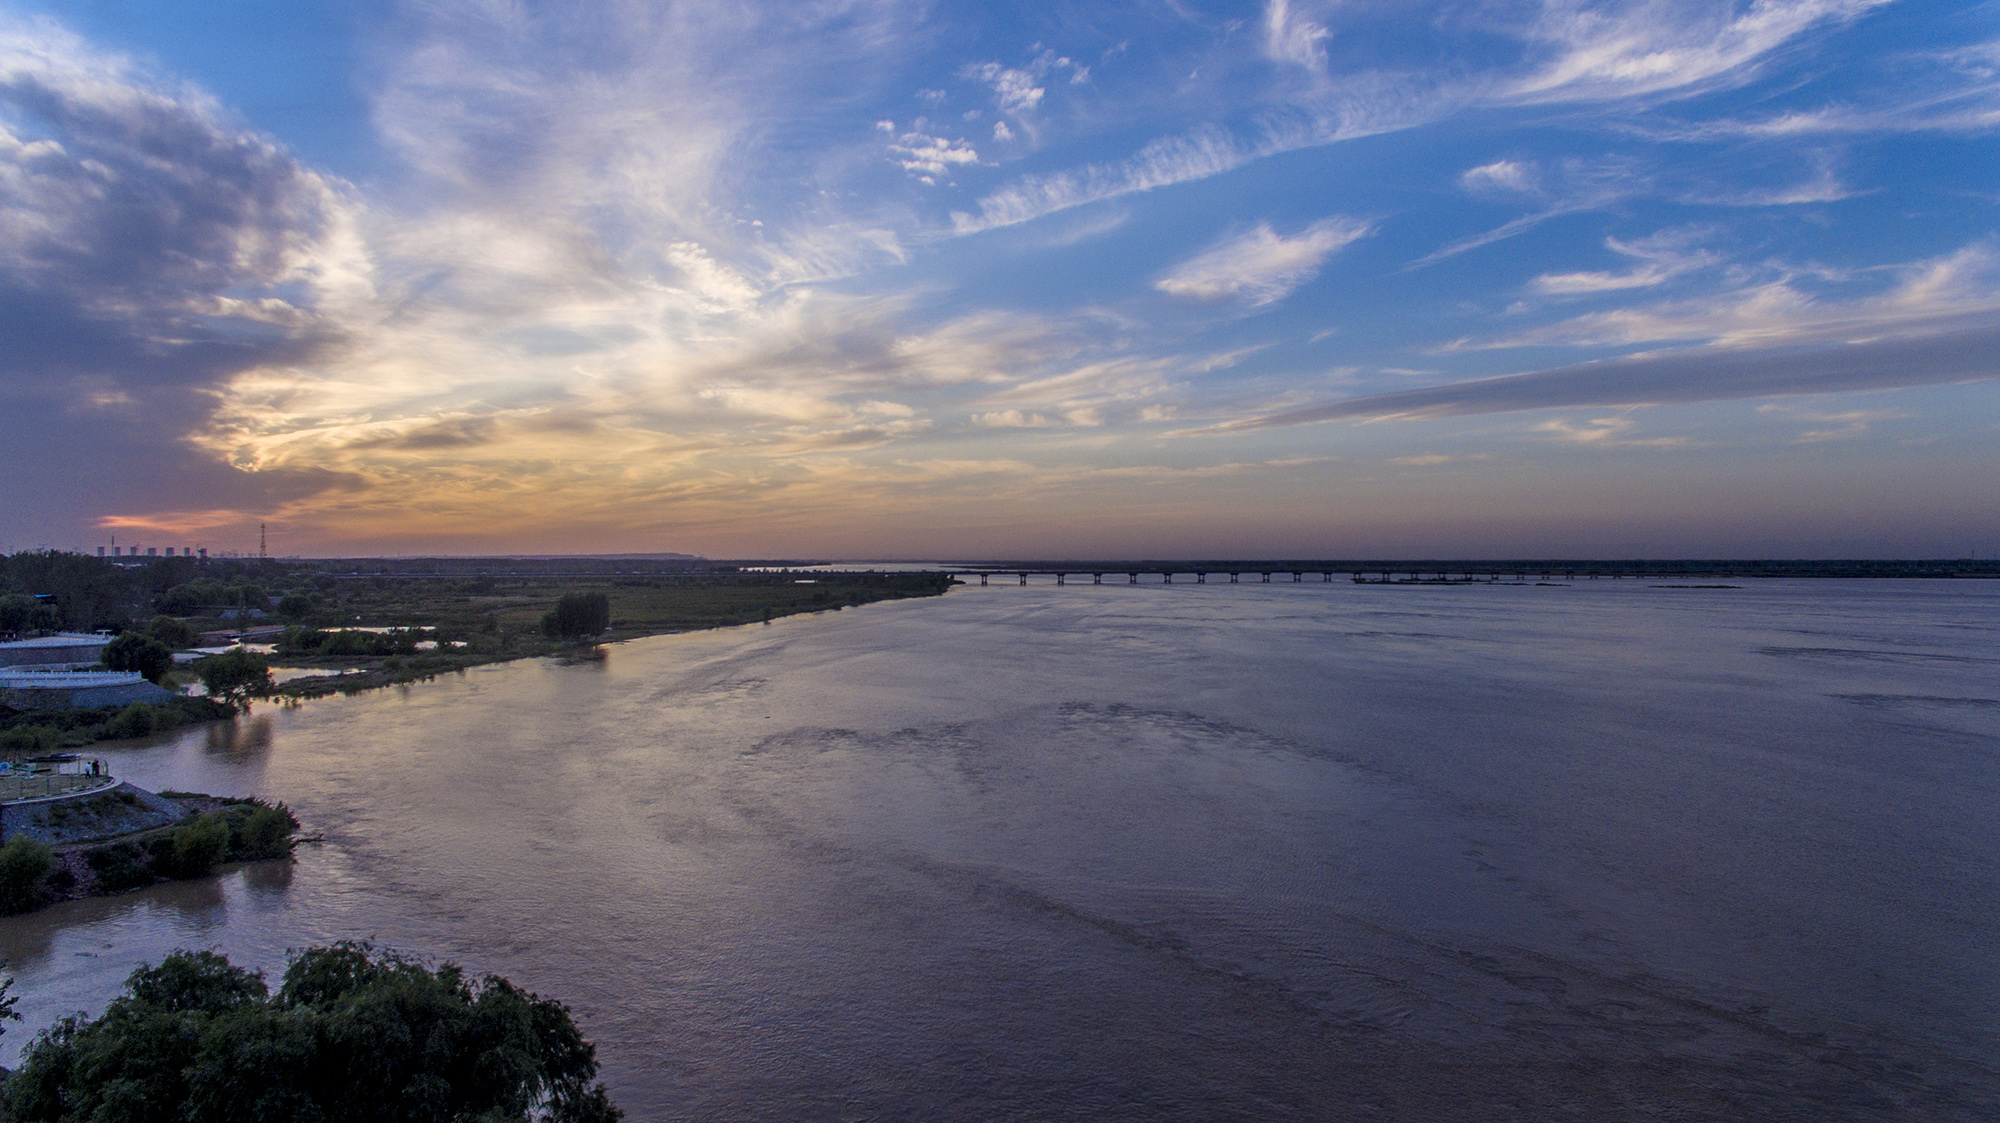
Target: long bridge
{"type": "Point", "coordinates": [1461, 571]}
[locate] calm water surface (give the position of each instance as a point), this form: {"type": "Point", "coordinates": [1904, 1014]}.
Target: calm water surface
{"type": "Point", "coordinates": [1608, 851]}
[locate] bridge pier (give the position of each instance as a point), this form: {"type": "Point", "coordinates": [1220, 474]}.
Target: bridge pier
{"type": "Point", "coordinates": [1097, 579]}
{"type": "Point", "coordinates": [1267, 579]}
{"type": "Point", "coordinates": [1024, 579]}
{"type": "Point", "coordinates": [1059, 578]}
{"type": "Point", "coordinates": [1200, 578]}
{"type": "Point", "coordinates": [1232, 579]}
{"type": "Point", "coordinates": [1168, 574]}
{"type": "Point", "coordinates": [982, 579]}
{"type": "Point", "coordinates": [1135, 579]}
{"type": "Point", "coordinates": [1297, 577]}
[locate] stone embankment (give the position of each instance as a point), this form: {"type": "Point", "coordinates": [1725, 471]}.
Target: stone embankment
{"type": "Point", "coordinates": [119, 836]}
{"type": "Point", "coordinates": [72, 819]}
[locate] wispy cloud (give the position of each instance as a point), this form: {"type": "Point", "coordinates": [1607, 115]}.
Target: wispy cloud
{"type": "Point", "coordinates": [1702, 375]}
{"type": "Point", "coordinates": [1164, 162]}
{"type": "Point", "coordinates": [1570, 187]}
{"type": "Point", "coordinates": [1503, 175]}
{"type": "Point", "coordinates": [1259, 266]}
{"type": "Point", "coordinates": [1596, 52]}
{"type": "Point", "coordinates": [1579, 54]}
{"type": "Point", "coordinates": [1604, 432]}
{"type": "Point", "coordinates": [1951, 288]}
{"type": "Point", "coordinates": [1660, 258]}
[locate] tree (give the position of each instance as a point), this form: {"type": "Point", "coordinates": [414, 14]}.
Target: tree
{"type": "Point", "coordinates": [21, 613]}
{"type": "Point", "coordinates": [136, 651]}
{"type": "Point", "coordinates": [578, 616]}
{"type": "Point", "coordinates": [235, 674]}
{"type": "Point", "coordinates": [192, 598]}
{"type": "Point", "coordinates": [174, 633]}
{"type": "Point", "coordinates": [295, 606]}
{"type": "Point", "coordinates": [353, 1034]}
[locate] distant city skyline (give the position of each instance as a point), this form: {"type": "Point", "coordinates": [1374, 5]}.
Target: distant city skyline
{"type": "Point", "coordinates": [899, 280]}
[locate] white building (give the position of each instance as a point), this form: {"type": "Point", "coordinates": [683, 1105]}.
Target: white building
{"type": "Point", "coordinates": [59, 652]}
{"type": "Point", "coordinates": [76, 690]}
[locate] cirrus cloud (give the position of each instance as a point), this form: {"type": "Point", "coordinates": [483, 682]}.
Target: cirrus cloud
{"type": "Point", "coordinates": [1260, 266]}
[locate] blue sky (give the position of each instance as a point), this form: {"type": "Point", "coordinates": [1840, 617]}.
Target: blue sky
{"type": "Point", "coordinates": [897, 279]}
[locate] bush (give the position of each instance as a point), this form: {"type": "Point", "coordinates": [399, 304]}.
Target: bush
{"type": "Point", "coordinates": [29, 740]}
{"type": "Point", "coordinates": [258, 831]}
{"type": "Point", "coordinates": [134, 651]}
{"type": "Point", "coordinates": [199, 845]}
{"type": "Point", "coordinates": [352, 1033]}
{"type": "Point", "coordinates": [24, 866]}
{"type": "Point", "coordinates": [135, 720]}
{"type": "Point", "coordinates": [347, 642]}
{"type": "Point", "coordinates": [118, 867]}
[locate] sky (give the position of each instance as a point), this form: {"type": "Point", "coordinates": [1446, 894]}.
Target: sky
{"type": "Point", "coordinates": [885, 279]}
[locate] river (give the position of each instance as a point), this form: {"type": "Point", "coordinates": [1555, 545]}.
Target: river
{"type": "Point", "coordinates": [1603, 851]}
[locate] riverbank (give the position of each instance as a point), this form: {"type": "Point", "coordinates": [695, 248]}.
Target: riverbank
{"type": "Point", "coordinates": [124, 837]}
{"type": "Point", "coordinates": [495, 624]}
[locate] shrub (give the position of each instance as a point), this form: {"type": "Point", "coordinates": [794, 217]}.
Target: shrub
{"type": "Point", "coordinates": [257, 831]}
{"type": "Point", "coordinates": [118, 867]}
{"type": "Point", "coordinates": [199, 845]}
{"type": "Point", "coordinates": [29, 740]}
{"type": "Point", "coordinates": [24, 866]}
{"type": "Point", "coordinates": [135, 720]}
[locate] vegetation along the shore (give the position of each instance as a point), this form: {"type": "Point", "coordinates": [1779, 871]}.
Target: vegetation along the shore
{"type": "Point", "coordinates": [87, 847]}
{"type": "Point", "coordinates": [199, 1038]}
{"type": "Point", "coordinates": [363, 630]}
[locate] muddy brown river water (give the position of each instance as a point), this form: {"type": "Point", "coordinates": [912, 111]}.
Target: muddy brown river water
{"type": "Point", "coordinates": [1608, 851]}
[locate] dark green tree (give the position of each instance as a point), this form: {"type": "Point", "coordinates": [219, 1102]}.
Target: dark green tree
{"type": "Point", "coordinates": [578, 616]}
{"type": "Point", "coordinates": [136, 651]}
{"type": "Point", "coordinates": [193, 598]}
{"type": "Point", "coordinates": [235, 674]}
{"type": "Point", "coordinates": [22, 613]}
{"type": "Point", "coordinates": [174, 633]}
{"type": "Point", "coordinates": [353, 1034]}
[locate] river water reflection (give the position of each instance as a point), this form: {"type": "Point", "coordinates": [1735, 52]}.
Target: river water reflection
{"type": "Point", "coordinates": [1174, 852]}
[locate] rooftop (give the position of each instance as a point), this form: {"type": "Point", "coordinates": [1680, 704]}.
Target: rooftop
{"type": "Point", "coordinates": [59, 640]}
{"type": "Point", "coordinates": [65, 680]}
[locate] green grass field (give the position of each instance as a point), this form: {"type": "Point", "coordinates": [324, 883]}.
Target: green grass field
{"type": "Point", "coordinates": [483, 620]}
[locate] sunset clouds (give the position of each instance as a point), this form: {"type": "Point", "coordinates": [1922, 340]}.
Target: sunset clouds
{"type": "Point", "coordinates": [744, 279]}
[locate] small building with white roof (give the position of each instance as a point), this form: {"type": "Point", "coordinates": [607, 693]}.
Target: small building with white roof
{"type": "Point", "coordinates": [60, 651]}
{"type": "Point", "coordinates": [76, 690]}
